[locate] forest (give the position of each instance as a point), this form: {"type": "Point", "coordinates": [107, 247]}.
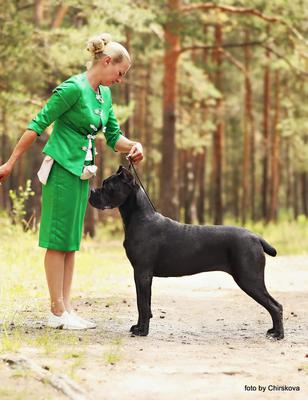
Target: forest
{"type": "Point", "coordinates": [216, 95]}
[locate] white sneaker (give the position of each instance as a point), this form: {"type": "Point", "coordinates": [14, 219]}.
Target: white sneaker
{"type": "Point", "coordinates": [64, 321]}
{"type": "Point", "coordinates": [88, 324]}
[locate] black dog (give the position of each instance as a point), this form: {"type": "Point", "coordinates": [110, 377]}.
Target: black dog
{"type": "Point", "coordinates": [159, 246]}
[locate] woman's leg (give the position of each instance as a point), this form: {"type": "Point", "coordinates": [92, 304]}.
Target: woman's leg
{"type": "Point", "coordinates": [54, 268]}
{"type": "Point", "coordinates": [69, 263]}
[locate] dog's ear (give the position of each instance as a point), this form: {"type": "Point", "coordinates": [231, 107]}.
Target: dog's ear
{"type": "Point", "coordinates": [127, 177]}
{"type": "Point", "coordinates": [119, 169]}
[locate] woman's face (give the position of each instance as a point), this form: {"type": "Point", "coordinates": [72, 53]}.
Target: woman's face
{"type": "Point", "coordinates": [113, 73]}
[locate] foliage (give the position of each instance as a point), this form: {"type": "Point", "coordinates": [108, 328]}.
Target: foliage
{"type": "Point", "coordinates": [19, 199]}
{"type": "Point", "coordinates": [35, 57]}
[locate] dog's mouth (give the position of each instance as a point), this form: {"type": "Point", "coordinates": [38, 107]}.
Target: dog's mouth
{"type": "Point", "coordinates": [96, 200]}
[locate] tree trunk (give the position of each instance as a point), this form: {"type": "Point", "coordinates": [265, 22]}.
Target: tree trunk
{"type": "Point", "coordinates": [304, 195]}
{"type": "Point", "coordinates": [100, 163]}
{"type": "Point", "coordinates": [127, 88]}
{"type": "Point", "coordinates": [38, 12]}
{"type": "Point", "coordinates": [201, 162]}
{"type": "Point", "coordinates": [235, 191]}
{"type": "Point", "coordinates": [275, 155]}
{"type": "Point", "coordinates": [181, 162]}
{"type": "Point", "coordinates": [148, 133]}
{"type": "Point", "coordinates": [266, 112]}
{"type": "Point", "coordinates": [89, 222]}
{"type": "Point", "coordinates": [304, 186]}
{"type": "Point", "coordinates": [296, 195]}
{"type": "Point", "coordinates": [167, 176]}
{"type": "Point", "coordinates": [247, 136]}
{"type": "Point", "coordinates": [218, 134]}
{"type": "Point", "coordinates": [60, 14]}
{"type": "Point", "coordinates": [251, 130]}
{"type": "Point", "coordinates": [4, 157]}
{"type": "Point", "coordinates": [189, 180]}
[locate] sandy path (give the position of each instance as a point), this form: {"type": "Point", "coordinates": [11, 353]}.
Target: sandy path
{"type": "Point", "coordinates": [207, 340]}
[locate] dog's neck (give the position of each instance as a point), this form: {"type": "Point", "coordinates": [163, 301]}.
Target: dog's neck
{"type": "Point", "coordinates": [136, 204]}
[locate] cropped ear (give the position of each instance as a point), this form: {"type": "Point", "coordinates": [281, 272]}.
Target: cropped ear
{"type": "Point", "coordinates": [119, 169]}
{"type": "Point", "coordinates": [127, 177]}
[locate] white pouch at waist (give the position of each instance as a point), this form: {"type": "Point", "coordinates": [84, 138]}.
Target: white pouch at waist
{"type": "Point", "coordinates": [44, 170]}
{"type": "Point", "coordinates": [88, 172]}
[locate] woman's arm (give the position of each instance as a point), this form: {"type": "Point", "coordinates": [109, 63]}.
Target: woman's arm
{"type": "Point", "coordinates": [23, 144]}
{"type": "Point", "coordinates": [124, 145]}
{"type": "Point", "coordinates": [63, 98]}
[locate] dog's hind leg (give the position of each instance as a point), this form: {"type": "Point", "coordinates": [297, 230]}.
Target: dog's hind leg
{"type": "Point", "coordinates": [251, 281]}
{"type": "Point", "coordinates": [260, 294]}
{"type": "Point", "coordinates": [143, 282]}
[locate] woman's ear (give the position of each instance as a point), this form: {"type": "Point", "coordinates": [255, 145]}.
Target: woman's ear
{"type": "Point", "coordinates": [107, 60]}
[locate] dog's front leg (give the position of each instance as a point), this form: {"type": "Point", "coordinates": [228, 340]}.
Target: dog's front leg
{"type": "Point", "coordinates": [143, 281]}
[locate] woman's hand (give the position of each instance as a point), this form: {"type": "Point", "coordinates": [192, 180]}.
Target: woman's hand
{"type": "Point", "coordinates": [5, 171]}
{"type": "Point", "coordinates": [23, 144]}
{"type": "Point", "coordinates": [136, 153]}
{"type": "Point", "coordinates": [134, 149]}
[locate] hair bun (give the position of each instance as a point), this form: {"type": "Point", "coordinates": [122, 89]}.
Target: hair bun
{"type": "Point", "coordinates": [98, 43]}
{"type": "Point", "coordinates": [105, 37]}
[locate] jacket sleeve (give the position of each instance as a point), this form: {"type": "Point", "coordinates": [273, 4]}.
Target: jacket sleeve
{"type": "Point", "coordinates": [112, 132]}
{"type": "Point", "coordinates": [63, 98]}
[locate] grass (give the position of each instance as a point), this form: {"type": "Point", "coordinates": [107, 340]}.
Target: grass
{"type": "Point", "coordinates": [288, 237]}
{"type": "Point", "coordinates": [10, 343]}
{"type": "Point", "coordinates": [100, 265]}
{"type": "Point", "coordinates": [113, 355]}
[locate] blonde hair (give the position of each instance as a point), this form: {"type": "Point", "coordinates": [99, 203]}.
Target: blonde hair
{"type": "Point", "coordinates": [102, 45]}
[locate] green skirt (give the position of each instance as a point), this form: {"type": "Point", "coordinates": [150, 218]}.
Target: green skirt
{"type": "Point", "coordinates": [64, 203]}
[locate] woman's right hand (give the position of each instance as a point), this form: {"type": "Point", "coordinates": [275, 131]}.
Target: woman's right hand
{"type": "Point", "coordinates": [5, 171]}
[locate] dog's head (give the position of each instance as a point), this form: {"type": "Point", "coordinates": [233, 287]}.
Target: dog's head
{"type": "Point", "coordinates": [114, 190]}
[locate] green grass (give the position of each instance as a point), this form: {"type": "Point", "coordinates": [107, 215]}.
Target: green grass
{"type": "Point", "coordinates": [288, 237]}
{"type": "Point", "coordinates": [113, 355]}
{"type": "Point", "coordinates": [10, 342]}
{"type": "Point", "coordinates": [101, 266]}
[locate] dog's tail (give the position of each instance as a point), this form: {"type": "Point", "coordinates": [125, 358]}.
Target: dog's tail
{"type": "Point", "coordinates": [268, 249]}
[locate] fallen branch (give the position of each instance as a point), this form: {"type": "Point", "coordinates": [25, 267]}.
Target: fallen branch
{"type": "Point", "coordinates": [59, 382]}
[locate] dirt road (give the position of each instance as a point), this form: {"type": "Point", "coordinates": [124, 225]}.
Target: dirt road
{"type": "Point", "coordinates": [207, 340]}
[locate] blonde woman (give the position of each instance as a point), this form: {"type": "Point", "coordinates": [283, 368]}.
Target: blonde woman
{"type": "Point", "coordinates": [80, 107]}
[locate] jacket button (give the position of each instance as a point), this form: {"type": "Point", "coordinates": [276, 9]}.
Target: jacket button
{"type": "Point", "coordinates": [97, 111]}
{"type": "Point", "coordinates": [99, 98]}
{"type": "Point", "coordinates": [93, 127]}
{"type": "Point", "coordinates": [104, 129]}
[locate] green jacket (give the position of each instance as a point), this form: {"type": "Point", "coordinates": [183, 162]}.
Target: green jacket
{"type": "Point", "coordinates": [78, 113]}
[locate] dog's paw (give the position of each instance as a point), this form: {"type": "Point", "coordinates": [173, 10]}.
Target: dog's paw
{"type": "Point", "coordinates": [274, 335]}
{"type": "Point", "coordinates": [136, 330]}
{"type": "Point", "coordinates": [133, 327]}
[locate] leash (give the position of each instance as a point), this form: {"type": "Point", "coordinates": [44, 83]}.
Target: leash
{"type": "Point", "coordinates": [131, 166]}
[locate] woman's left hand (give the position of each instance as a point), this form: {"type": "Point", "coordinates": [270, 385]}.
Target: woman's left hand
{"type": "Point", "coordinates": [136, 153]}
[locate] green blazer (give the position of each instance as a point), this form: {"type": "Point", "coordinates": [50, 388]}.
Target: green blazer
{"type": "Point", "coordinates": [78, 113]}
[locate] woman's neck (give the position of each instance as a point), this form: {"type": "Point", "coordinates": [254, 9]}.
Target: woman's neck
{"type": "Point", "coordinates": [93, 79]}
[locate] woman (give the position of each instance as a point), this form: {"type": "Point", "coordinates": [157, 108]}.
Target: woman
{"type": "Point", "coordinates": [79, 107]}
